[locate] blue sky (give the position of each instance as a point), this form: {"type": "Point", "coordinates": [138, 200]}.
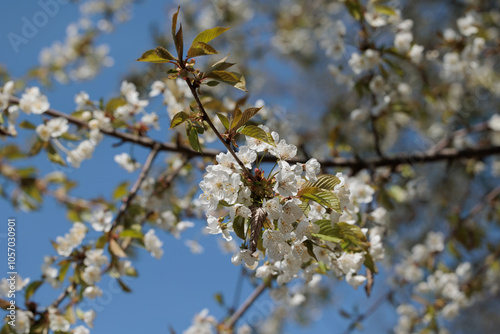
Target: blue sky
{"type": "Point", "coordinates": [170, 291]}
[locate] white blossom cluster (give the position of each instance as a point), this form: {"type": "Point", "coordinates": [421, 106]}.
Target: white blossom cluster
{"type": "Point", "coordinates": [73, 239]}
{"type": "Point", "coordinates": [288, 224]}
{"type": "Point", "coordinates": [448, 286]}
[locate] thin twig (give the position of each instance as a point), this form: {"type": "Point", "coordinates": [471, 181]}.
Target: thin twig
{"type": "Point", "coordinates": [135, 188]}
{"type": "Point", "coordinates": [214, 129]}
{"type": "Point", "coordinates": [369, 311]}
{"type": "Point", "coordinates": [242, 309]}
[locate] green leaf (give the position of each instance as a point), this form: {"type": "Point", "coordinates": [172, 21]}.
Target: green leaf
{"type": "Point", "coordinates": [209, 34]}
{"type": "Point", "coordinates": [194, 141]}
{"type": "Point", "coordinates": [31, 289]}
{"type": "Point", "coordinates": [223, 120]}
{"type": "Point", "coordinates": [131, 234]}
{"type": "Point", "coordinates": [29, 186]}
{"type": "Point", "coordinates": [152, 56]}
{"type": "Point", "coordinates": [257, 133]}
{"type": "Point", "coordinates": [350, 233]}
{"type": "Point", "coordinates": [327, 238]}
{"type": "Point", "coordinates": [27, 125]}
{"type": "Point", "coordinates": [64, 269]}
{"type": "Point", "coordinates": [369, 263]}
{"type": "Point", "coordinates": [219, 299]}
{"type": "Point", "coordinates": [7, 329]}
{"type": "Point", "coordinates": [323, 197]}
{"type": "Point", "coordinates": [70, 136]}
{"type": "Point", "coordinates": [239, 227]}
{"type": "Point", "coordinates": [245, 117]}
{"type": "Point", "coordinates": [37, 147]}
{"type": "Point", "coordinates": [231, 78]}
{"type": "Point", "coordinates": [115, 103]}
{"type": "Point", "coordinates": [101, 242]}
{"type": "Point", "coordinates": [221, 65]}
{"type": "Point", "coordinates": [121, 190]}
{"type": "Point", "coordinates": [11, 152]}
{"type": "Point", "coordinates": [53, 155]}
{"type": "Point", "coordinates": [124, 286]}
{"type": "Point", "coordinates": [355, 9]}
{"type": "Point", "coordinates": [201, 49]}
{"type": "Point", "coordinates": [385, 10]}
{"type": "Point", "coordinates": [324, 181]}
{"type": "Point", "coordinates": [212, 83]}
{"type": "Point", "coordinates": [178, 119]}
{"type": "Point", "coordinates": [164, 53]}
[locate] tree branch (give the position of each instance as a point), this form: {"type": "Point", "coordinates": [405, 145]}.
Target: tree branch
{"type": "Point", "coordinates": [244, 307]}
{"type": "Point", "coordinates": [443, 154]}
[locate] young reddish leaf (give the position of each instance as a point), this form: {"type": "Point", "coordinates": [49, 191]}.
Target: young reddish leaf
{"type": "Point", "coordinates": [245, 117]}
{"type": "Point", "coordinates": [179, 43]}
{"type": "Point", "coordinates": [174, 22]}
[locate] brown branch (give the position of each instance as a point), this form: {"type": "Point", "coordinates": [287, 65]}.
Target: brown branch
{"type": "Point", "coordinates": [444, 154]}
{"type": "Point", "coordinates": [229, 324]}
{"type": "Point", "coordinates": [135, 188]}
{"type": "Point", "coordinates": [214, 129]}
{"type": "Point", "coordinates": [369, 311]}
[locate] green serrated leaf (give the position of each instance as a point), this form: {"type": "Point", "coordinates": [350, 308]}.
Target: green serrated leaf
{"type": "Point", "coordinates": [231, 78]}
{"type": "Point", "coordinates": [121, 190]}
{"type": "Point", "coordinates": [257, 133]}
{"type": "Point", "coordinates": [219, 299]}
{"type": "Point", "coordinates": [194, 141]}
{"type": "Point", "coordinates": [323, 197]}
{"type": "Point", "coordinates": [223, 120]}
{"type": "Point", "coordinates": [27, 125]}
{"type": "Point", "coordinates": [350, 233]}
{"type": "Point", "coordinates": [324, 181]}
{"type": "Point", "coordinates": [178, 119]}
{"type": "Point", "coordinates": [31, 289]}
{"type": "Point", "coordinates": [239, 227]}
{"type": "Point", "coordinates": [327, 238]}
{"type": "Point", "coordinates": [131, 234]}
{"type": "Point", "coordinates": [201, 49]}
